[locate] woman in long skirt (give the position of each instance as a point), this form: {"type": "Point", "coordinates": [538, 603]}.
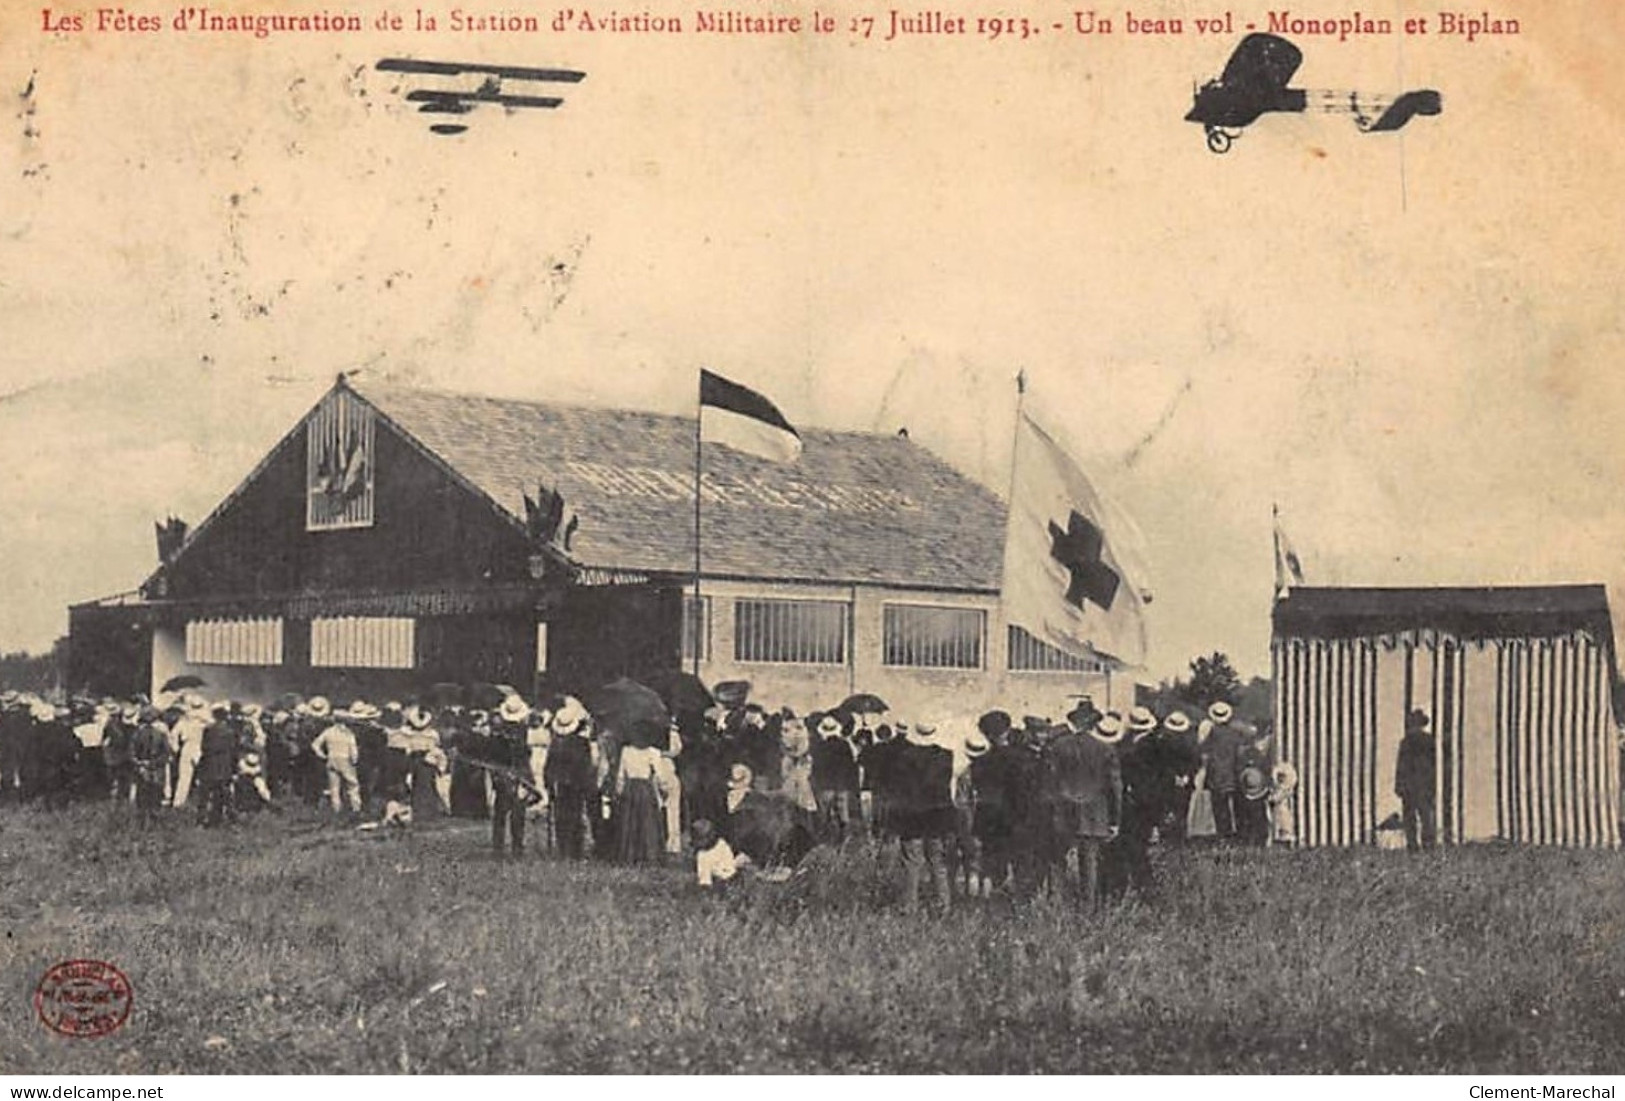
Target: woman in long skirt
{"type": "Point", "coordinates": [639, 820]}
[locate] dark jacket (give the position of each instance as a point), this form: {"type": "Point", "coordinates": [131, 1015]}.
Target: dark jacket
{"type": "Point", "coordinates": [1220, 753]}
{"type": "Point", "coordinates": [569, 764]}
{"type": "Point", "coordinates": [1414, 775]}
{"type": "Point", "coordinates": [834, 765]}
{"type": "Point", "coordinates": [219, 760]}
{"type": "Point", "coordinates": [923, 797]}
{"type": "Point", "coordinates": [993, 778]}
{"type": "Point", "coordinates": [1088, 785]}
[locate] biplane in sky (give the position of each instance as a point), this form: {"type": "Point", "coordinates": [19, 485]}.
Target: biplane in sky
{"type": "Point", "coordinates": [457, 102]}
{"type": "Point", "coordinates": [1254, 83]}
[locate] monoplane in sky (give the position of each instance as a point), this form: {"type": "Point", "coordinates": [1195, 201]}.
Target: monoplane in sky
{"type": "Point", "coordinates": [1254, 83]}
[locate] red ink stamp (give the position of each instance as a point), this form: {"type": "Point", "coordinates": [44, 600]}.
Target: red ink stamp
{"type": "Point", "coordinates": [83, 998]}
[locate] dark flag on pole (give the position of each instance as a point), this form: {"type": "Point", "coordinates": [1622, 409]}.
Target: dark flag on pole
{"type": "Point", "coordinates": [739, 417]}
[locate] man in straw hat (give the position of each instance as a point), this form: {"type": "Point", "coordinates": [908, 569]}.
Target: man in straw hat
{"type": "Point", "coordinates": [571, 776]}
{"type": "Point", "coordinates": [1143, 802]}
{"type": "Point", "coordinates": [336, 747]}
{"type": "Point", "coordinates": [834, 775]}
{"type": "Point", "coordinates": [1088, 792]}
{"type": "Point", "coordinates": [923, 812]}
{"type": "Point", "coordinates": [1180, 761]}
{"type": "Point", "coordinates": [507, 749]}
{"type": "Point", "coordinates": [1221, 752]}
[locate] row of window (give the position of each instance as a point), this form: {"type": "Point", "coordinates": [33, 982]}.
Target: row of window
{"type": "Point", "coordinates": [781, 632]}
{"type": "Point", "coordinates": [349, 642]}
{"type": "Point", "coordinates": [915, 636]}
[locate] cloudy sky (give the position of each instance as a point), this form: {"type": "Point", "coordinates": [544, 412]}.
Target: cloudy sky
{"type": "Point", "coordinates": [1410, 342]}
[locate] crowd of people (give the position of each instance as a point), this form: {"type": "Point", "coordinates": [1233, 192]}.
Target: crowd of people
{"type": "Point", "coordinates": [972, 808]}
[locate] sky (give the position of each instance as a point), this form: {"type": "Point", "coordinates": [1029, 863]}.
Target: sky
{"type": "Point", "coordinates": [1408, 342]}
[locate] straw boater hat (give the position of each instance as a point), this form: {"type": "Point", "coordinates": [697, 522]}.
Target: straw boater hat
{"type": "Point", "coordinates": [569, 717]}
{"type": "Point", "coordinates": [1109, 729]}
{"type": "Point", "coordinates": [977, 745]}
{"type": "Point", "coordinates": [1220, 712]}
{"type": "Point", "coordinates": [362, 710]}
{"type": "Point", "coordinates": [318, 707]}
{"type": "Point", "coordinates": [1141, 722]}
{"type": "Point", "coordinates": [418, 718]}
{"type": "Point", "coordinates": [1254, 784]}
{"type": "Point", "coordinates": [829, 727]}
{"type": "Point", "coordinates": [1177, 722]}
{"type": "Point", "coordinates": [513, 710]}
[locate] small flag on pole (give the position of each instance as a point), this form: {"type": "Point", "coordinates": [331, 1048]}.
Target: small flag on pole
{"type": "Point", "coordinates": [1288, 567]}
{"type": "Point", "coordinates": [739, 417]}
{"type": "Point", "coordinates": [1064, 580]}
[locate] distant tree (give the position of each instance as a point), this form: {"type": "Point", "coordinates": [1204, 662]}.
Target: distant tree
{"type": "Point", "coordinates": [27, 672]}
{"type": "Point", "coordinates": [1255, 702]}
{"type": "Point", "coordinates": [1213, 678]}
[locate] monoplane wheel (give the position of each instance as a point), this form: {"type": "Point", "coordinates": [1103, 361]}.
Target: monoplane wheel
{"type": "Point", "coordinates": [1218, 141]}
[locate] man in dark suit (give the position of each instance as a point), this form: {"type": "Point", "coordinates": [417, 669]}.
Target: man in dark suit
{"type": "Point", "coordinates": [571, 779]}
{"type": "Point", "coordinates": [217, 766]}
{"type": "Point", "coordinates": [923, 812]}
{"type": "Point", "coordinates": [834, 777]}
{"type": "Point", "coordinates": [1088, 792]}
{"type": "Point", "coordinates": [1414, 779]}
{"type": "Point", "coordinates": [992, 780]}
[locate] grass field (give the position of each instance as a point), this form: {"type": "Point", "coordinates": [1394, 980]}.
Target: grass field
{"type": "Point", "coordinates": [284, 946]}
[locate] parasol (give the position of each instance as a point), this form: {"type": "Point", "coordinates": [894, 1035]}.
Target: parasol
{"type": "Point", "coordinates": [863, 703]}
{"type": "Point", "coordinates": [625, 706]}
{"type": "Point", "coordinates": [183, 682]}
{"type": "Point", "coordinates": [683, 693]}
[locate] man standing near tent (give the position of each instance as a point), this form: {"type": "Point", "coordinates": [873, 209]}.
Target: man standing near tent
{"type": "Point", "coordinates": [1413, 782]}
{"type": "Point", "coordinates": [1221, 756]}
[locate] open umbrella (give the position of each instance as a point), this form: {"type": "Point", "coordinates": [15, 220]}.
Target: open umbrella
{"type": "Point", "coordinates": [682, 692]}
{"type": "Point", "coordinates": [446, 694]}
{"type": "Point", "coordinates": [488, 697]}
{"type": "Point", "coordinates": [183, 682]}
{"type": "Point", "coordinates": [863, 703]}
{"type": "Point", "coordinates": [625, 706]}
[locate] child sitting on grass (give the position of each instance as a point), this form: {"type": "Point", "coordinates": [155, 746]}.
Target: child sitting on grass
{"type": "Point", "coordinates": [715, 864]}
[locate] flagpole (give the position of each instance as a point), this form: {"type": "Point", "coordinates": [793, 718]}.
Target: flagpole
{"type": "Point", "coordinates": [1010, 511]}
{"type": "Point", "coordinates": [1275, 532]}
{"type": "Point", "coordinates": [698, 626]}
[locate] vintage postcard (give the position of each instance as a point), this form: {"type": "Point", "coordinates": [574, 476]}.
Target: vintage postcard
{"type": "Point", "coordinates": [798, 536]}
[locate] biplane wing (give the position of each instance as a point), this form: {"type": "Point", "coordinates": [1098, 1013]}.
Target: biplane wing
{"type": "Point", "coordinates": [462, 101]}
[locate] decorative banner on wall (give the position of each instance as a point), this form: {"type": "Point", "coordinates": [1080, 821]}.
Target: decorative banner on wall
{"type": "Point", "coordinates": [339, 464]}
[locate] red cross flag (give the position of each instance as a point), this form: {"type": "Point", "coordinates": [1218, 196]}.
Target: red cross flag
{"type": "Point", "coordinates": [1065, 580]}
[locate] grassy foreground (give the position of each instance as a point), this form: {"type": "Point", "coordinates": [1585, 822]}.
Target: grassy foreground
{"type": "Point", "coordinates": [285, 947]}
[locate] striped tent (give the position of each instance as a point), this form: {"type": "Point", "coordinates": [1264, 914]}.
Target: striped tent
{"type": "Point", "coordinates": [1519, 685]}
